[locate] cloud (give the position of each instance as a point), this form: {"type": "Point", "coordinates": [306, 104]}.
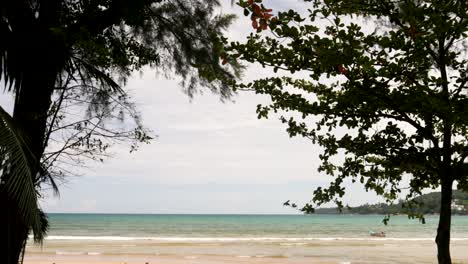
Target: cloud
{"type": "Point", "coordinates": [209, 157]}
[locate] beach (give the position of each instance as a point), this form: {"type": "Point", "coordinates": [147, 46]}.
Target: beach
{"type": "Point", "coordinates": [338, 251]}
{"type": "Point", "coordinates": [174, 239]}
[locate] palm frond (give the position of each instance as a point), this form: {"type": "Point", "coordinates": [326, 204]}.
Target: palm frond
{"type": "Point", "coordinates": [17, 167]}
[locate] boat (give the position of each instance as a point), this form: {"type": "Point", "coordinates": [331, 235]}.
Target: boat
{"type": "Point", "coordinates": [377, 234]}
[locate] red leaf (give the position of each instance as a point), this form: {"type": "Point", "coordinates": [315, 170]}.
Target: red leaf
{"type": "Point", "coordinates": [342, 69]}
{"type": "Point", "coordinates": [257, 10]}
{"type": "Point", "coordinates": [254, 24]}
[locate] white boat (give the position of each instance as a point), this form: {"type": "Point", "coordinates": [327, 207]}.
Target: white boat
{"type": "Point", "coordinates": [377, 234]}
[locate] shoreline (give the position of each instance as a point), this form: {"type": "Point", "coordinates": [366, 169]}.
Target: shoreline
{"type": "Point", "coordinates": [234, 239]}
{"type": "Point", "coordinates": [252, 239]}
{"type": "Point", "coordinates": [335, 251]}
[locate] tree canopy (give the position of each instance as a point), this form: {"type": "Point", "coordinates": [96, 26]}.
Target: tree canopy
{"type": "Point", "coordinates": [380, 85]}
{"type": "Point", "coordinates": [60, 57]}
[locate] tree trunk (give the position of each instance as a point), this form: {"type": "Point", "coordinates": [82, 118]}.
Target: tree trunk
{"type": "Point", "coordinates": [30, 114]}
{"type": "Point", "coordinates": [42, 58]}
{"type": "Point", "coordinates": [443, 230]}
{"type": "Point", "coordinates": [13, 232]}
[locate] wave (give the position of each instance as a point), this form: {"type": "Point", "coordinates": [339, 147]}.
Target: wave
{"type": "Point", "coordinates": [77, 253]}
{"type": "Point", "coordinates": [244, 239]}
{"type": "Point", "coordinates": [70, 253]}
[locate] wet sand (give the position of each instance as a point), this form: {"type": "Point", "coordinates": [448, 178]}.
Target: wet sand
{"type": "Point", "coordinates": [337, 252]}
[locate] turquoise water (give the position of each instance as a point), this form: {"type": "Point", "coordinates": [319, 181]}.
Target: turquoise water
{"type": "Point", "coordinates": [238, 227]}
{"type": "Point", "coordinates": [232, 238]}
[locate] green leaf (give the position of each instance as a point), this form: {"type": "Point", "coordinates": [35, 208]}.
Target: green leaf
{"type": "Point", "coordinates": [17, 167]}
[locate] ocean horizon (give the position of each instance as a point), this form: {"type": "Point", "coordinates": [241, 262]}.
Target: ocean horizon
{"type": "Point", "coordinates": [230, 227]}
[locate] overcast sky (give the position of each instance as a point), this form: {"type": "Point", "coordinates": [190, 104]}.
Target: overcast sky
{"type": "Point", "coordinates": [209, 156]}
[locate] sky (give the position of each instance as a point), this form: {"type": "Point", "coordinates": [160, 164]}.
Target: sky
{"type": "Point", "coordinates": [209, 156]}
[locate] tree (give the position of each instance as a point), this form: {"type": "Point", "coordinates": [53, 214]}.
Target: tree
{"type": "Point", "coordinates": [380, 85]}
{"type": "Point", "coordinates": [60, 54]}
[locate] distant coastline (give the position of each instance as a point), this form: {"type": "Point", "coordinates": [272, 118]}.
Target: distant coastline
{"type": "Point", "coordinates": [426, 204]}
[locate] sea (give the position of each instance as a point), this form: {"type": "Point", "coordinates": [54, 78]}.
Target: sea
{"type": "Point", "coordinates": [280, 236]}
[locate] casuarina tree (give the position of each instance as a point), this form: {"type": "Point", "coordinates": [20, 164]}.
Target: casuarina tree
{"type": "Point", "coordinates": [81, 52]}
{"type": "Point", "coordinates": [380, 85]}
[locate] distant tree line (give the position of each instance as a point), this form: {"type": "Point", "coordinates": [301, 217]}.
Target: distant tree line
{"type": "Point", "coordinates": [424, 204]}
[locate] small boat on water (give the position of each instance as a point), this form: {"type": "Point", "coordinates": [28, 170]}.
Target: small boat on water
{"type": "Point", "coordinates": [377, 234]}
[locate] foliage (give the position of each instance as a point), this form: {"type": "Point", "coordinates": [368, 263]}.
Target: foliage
{"type": "Point", "coordinates": [387, 103]}
{"type": "Point", "coordinates": [82, 53]}
{"type": "Point", "coordinates": [387, 98]}
{"type": "Point", "coordinates": [16, 161]}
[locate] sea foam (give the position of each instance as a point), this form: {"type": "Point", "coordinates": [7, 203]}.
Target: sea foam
{"type": "Point", "coordinates": [244, 239]}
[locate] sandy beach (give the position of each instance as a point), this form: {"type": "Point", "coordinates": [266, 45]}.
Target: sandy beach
{"type": "Point", "coordinates": [336, 251]}
{"type": "Point", "coordinates": [253, 239]}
